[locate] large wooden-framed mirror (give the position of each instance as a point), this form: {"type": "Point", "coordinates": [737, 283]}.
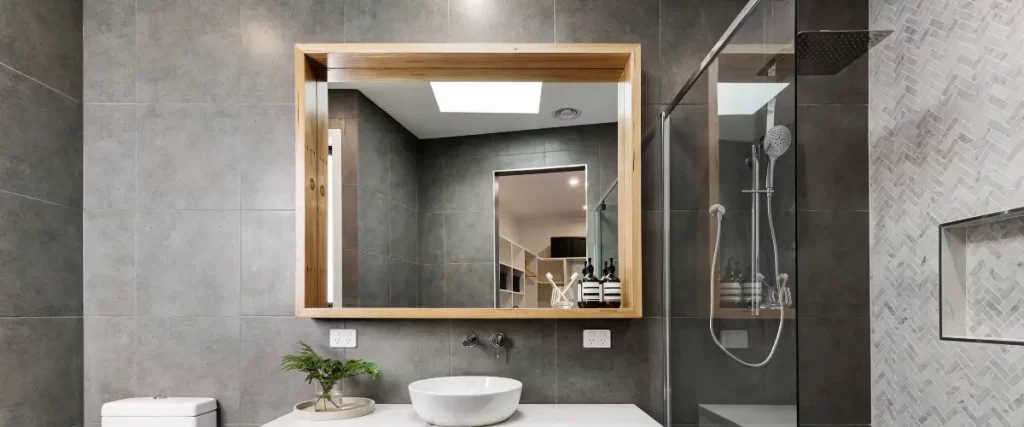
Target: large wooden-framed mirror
{"type": "Point", "coordinates": [450, 180]}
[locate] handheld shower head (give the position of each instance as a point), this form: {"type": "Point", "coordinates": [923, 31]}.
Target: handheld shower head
{"type": "Point", "coordinates": [777, 141]}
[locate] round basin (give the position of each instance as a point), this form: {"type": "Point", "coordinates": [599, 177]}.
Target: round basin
{"type": "Point", "coordinates": [465, 401]}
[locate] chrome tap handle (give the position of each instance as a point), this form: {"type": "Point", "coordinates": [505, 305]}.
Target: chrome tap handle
{"type": "Point", "coordinates": [498, 340]}
{"type": "Point", "coordinates": [471, 340]}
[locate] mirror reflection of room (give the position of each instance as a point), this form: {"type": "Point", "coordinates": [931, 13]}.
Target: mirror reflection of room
{"type": "Point", "coordinates": [412, 220]}
{"type": "Point", "coordinates": [542, 229]}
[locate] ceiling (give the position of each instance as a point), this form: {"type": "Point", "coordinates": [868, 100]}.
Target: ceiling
{"type": "Point", "coordinates": [519, 195]}
{"type": "Point", "coordinates": [414, 106]}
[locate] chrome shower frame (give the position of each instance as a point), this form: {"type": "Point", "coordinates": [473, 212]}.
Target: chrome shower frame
{"type": "Point", "coordinates": [664, 125]}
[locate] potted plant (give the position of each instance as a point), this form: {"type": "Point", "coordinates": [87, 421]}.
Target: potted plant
{"type": "Point", "coordinates": [327, 374]}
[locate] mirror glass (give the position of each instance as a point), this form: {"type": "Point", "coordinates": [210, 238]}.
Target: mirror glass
{"type": "Point", "coordinates": [465, 194]}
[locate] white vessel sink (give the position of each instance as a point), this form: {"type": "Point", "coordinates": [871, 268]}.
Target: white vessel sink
{"type": "Point", "coordinates": [465, 401]}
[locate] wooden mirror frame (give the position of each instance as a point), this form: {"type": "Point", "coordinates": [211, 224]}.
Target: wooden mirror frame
{"type": "Point", "coordinates": [316, 64]}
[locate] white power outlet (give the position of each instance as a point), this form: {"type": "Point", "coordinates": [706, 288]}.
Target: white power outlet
{"type": "Point", "coordinates": [735, 338]}
{"type": "Point", "coordinates": [343, 338]}
{"type": "Point", "coordinates": [597, 338]}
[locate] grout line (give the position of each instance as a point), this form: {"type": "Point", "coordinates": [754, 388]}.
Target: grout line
{"type": "Point", "coordinates": [557, 392]}
{"type": "Point", "coordinates": [39, 82]}
{"type": "Point", "coordinates": [39, 200]}
{"type": "Point", "coordinates": [39, 317]}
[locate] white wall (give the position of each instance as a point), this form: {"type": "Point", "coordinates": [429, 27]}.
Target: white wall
{"type": "Point", "coordinates": [535, 234]}
{"type": "Point", "coordinates": [508, 226]}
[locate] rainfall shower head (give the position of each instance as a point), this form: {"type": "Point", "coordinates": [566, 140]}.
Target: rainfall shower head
{"type": "Point", "coordinates": [823, 53]}
{"type": "Point", "coordinates": [777, 141]}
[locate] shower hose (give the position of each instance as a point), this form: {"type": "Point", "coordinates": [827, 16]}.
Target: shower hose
{"type": "Point", "coordinates": [719, 211]}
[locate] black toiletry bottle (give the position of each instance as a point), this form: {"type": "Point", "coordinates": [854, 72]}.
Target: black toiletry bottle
{"type": "Point", "coordinates": [579, 287]}
{"type": "Point", "coordinates": [612, 287]}
{"type": "Point", "coordinates": [591, 287]}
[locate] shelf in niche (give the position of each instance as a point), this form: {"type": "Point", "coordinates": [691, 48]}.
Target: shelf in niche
{"type": "Point", "coordinates": [981, 278]}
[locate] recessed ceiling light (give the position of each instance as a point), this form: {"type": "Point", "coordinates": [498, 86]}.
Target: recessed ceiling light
{"type": "Point", "coordinates": [574, 181]}
{"type": "Point", "coordinates": [487, 97]}
{"type": "Point", "coordinates": [740, 99]}
{"type": "Point", "coordinates": [566, 113]}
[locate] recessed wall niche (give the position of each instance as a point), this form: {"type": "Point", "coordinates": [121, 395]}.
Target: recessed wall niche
{"type": "Point", "coordinates": [981, 278]}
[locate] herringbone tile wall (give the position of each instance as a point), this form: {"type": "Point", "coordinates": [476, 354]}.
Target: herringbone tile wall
{"type": "Point", "coordinates": [995, 279]}
{"type": "Point", "coordinates": [946, 142]}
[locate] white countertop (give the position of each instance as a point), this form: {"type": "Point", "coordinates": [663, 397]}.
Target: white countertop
{"type": "Point", "coordinates": [526, 416]}
{"type": "Point", "coordinates": [750, 415]}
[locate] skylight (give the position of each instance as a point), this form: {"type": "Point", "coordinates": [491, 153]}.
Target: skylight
{"type": "Point", "coordinates": [736, 99]}
{"type": "Point", "coordinates": [487, 97]}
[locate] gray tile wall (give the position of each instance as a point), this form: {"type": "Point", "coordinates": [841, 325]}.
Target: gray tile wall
{"type": "Point", "coordinates": [832, 228]}
{"type": "Point", "coordinates": [40, 209]}
{"type": "Point", "coordinates": [945, 144]}
{"type": "Point", "coordinates": [146, 76]}
{"type": "Point", "coordinates": [379, 172]}
{"type": "Point", "coordinates": [456, 218]}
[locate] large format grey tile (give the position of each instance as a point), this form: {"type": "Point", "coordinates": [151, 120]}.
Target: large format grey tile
{"type": "Point", "coordinates": [373, 222]}
{"type": "Point", "coordinates": [270, 29]}
{"type": "Point", "coordinates": [629, 372]}
{"type": "Point", "coordinates": [651, 160]}
{"type": "Point", "coordinates": [431, 181]}
{"type": "Point", "coordinates": [373, 279]}
{"type": "Point", "coordinates": [40, 139]}
{"type": "Point", "coordinates": [43, 39]}
{"type": "Point", "coordinates": [652, 245]}
{"type": "Point", "coordinates": [689, 156]}
{"type": "Point", "coordinates": [404, 283]}
{"type": "Point", "coordinates": [405, 350]}
{"type": "Point", "coordinates": [404, 233]}
{"type": "Point", "coordinates": [108, 28]}
{"type": "Point", "coordinates": [187, 50]}
{"type": "Point", "coordinates": [431, 238]}
{"type": "Point", "coordinates": [431, 283]}
{"type": "Point", "coordinates": [469, 285]}
{"type": "Point", "coordinates": [832, 157]}
{"type": "Point", "coordinates": [267, 157]}
{"type": "Point", "coordinates": [712, 377]}
{"type": "Point", "coordinates": [266, 391]}
{"type": "Point", "coordinates": [835, 371]}
{"type": "Point", "coordinates": [506, 21]}
{"type": "Point", "coordinates": [108, 269]}
{"type": "Point", "coordinates": [469, 184]}
{"type": "Point", "coordinates": [834, 264]}
{"type": "Point", "coordinates": [527, 357]}
{"type": "Point", "coordinates": [108, 158]}
{"type": "Point", "coordinates": [188, 263]}
{"type": "Point", "coordinates": [374, 157]}
{"type": "Point", "coordinates": [268, 274]}
{"type": "Point", "coordinates": [191, 357]}
{"type": "Point", "coordinates": [403, 175]}
{"type": "Point", "coordinates": [689, 28]}
{"type": "Point", "coordinates": [188, 157]}
{"type": "Point", "coordinates": [396, 21]}
{"type": "Point", "coordinates": [469, 237]}
{"type": "Point", "coordinates": [38, 355]}
{"type": "Point", "coordinates": [615, 21]}
{"type": "Point", "coordinates": [109, 360]}
{"type": "Point", "coordinates": [41, 255]}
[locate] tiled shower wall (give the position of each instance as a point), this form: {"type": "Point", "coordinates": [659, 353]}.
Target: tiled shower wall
{"type": "Point", "coordinates": [947, 143]}
{"type": "Point", "coordinates": [40, 212]}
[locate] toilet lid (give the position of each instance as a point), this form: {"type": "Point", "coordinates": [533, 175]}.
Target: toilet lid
{"type": "Point", "coordinates": [159, 407]}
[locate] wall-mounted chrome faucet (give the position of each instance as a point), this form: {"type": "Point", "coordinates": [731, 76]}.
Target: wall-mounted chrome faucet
{"type": "Point", "coordinates": [498, 340]}
{"type": "Point", "coordinates": [471, 340]}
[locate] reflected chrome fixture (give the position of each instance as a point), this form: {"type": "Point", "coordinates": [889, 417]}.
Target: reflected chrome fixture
{"type": "Point", "coordinates": [774, 144]}
{"type": "Point", "coordinates": [471, 340]}
{"type": "Point", "coordinates": [566, 113]}
{"type": "Point", "coordinates": [498, 340]}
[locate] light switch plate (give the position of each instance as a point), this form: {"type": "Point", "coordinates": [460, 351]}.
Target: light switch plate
{"type": "Point", "coordinates": [735, 339]}
{"type": "Point", "coordinates": [343, 338]}
{"type": "Point", "coordinates": [597, 338]}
